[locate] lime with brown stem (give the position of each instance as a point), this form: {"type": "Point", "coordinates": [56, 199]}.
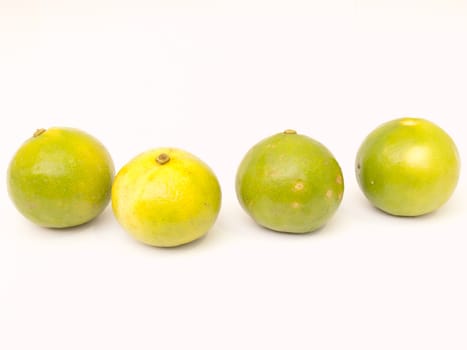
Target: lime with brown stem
{"type": "Point", "coordinates": [61, 177]}
{"type": "Point", "coordinates": [166, 197]}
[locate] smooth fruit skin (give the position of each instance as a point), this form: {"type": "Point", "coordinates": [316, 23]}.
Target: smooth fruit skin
{"type": "Point", "coordinates": [289, 183]}
{"type": "Point", "coordinates": [166, 204]}
{"type": "Point", "coordinates": [61, 177]}
{"type": "Point", "coordinates": [408, 167]}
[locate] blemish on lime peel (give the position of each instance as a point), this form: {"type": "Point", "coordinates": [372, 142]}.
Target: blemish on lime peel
{"type": "Point", "coordinates": [339, 179]}
{"type": "Point", "coordinates": [299, 186]}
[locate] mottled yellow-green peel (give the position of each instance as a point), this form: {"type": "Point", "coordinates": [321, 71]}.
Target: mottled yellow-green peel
{"type": "Point", "coordinates": [166, 197]}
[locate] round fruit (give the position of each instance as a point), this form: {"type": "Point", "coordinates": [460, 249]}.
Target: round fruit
{"type": "Point", "coordinates": [408, 167]}
{"type": "Point", "coordinates": [61, 177]}
{"type": "Point", "coordinates": [166, 197]}
{"type": "Point", "coordinates": [290, 183]}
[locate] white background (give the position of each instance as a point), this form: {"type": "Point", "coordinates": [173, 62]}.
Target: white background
{"type": "Point", "coordinates": [215, 77]}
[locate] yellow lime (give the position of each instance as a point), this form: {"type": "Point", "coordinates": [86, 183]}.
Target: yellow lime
{"type": "Point", "coordinates": [166, 197]}
{"type": "Point", "coordinates": [289, 182]}
{"type": "Point", "coordinates": [408, 167]}
{"type": "Point", "coordinates": [60, 177]}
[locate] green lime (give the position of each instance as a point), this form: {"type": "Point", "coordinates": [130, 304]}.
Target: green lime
{"type": "Point", "coordinates": [61, 177]}
{"type": "Point", "coordinates": [290, 183]}
{"type": "Point", "coordinates": [166, 197]}
{"type": "Point", "coordinates": [408, 167]}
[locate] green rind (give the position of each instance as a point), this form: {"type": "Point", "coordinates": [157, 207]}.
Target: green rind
{"type": "Point", "coordinates": [408, 167]}
{"type": "Point", "coordinates": [60, 178]}
{"type": "Point", "coordinates": [289, 183]}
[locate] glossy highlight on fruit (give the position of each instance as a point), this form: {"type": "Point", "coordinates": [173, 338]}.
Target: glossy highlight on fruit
{"type": "Point", "coordinates": [61, 177]}
{"type": "Point", "coordinates": [408, 167]}
{"type": "Point", "coordinates": [166, 197]}
{"type": "Point", "coordinates": [289, 183]}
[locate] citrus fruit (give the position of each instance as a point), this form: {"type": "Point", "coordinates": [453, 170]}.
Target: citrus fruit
{"type": "Point", "coordinates": [61, 177]}
{"type": "Point", "coordinates": [166, 197]}
{"type": "Point", "coordinates": [290, 183]}
{"type": "Point", "coordinates": [408, 167]}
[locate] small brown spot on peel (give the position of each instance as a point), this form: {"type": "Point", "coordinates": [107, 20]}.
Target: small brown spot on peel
{"type": "Point", "coordinates": [299, 186]}
{"type": "Point", "coordinates": [329, 194]}
{"type": "Point", "coordinates": [339, 179]}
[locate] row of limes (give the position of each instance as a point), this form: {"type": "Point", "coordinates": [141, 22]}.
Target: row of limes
{"type": "Point", "coordinates": [63, 177]}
